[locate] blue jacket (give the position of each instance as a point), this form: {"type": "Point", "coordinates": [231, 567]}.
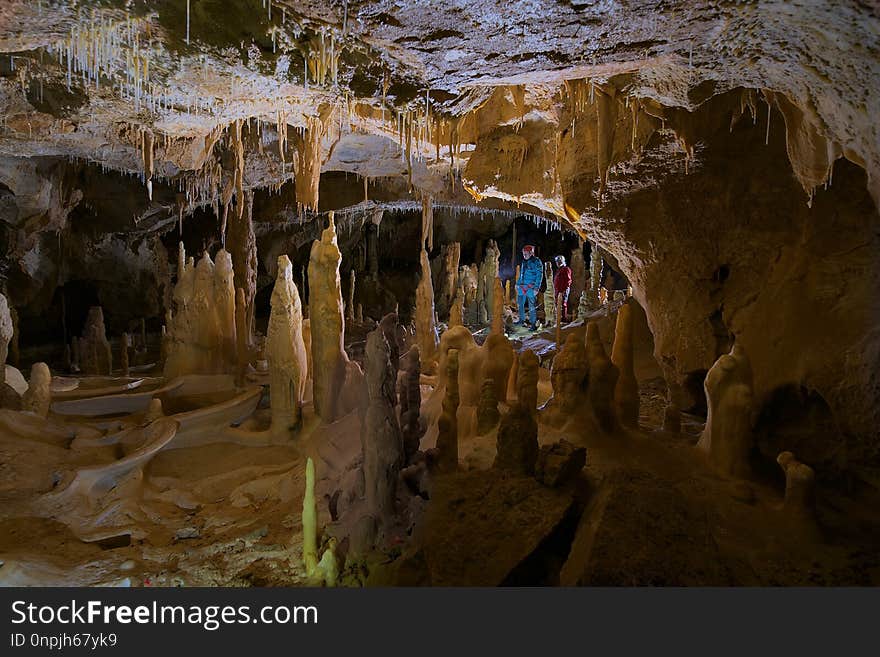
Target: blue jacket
{"type": "Point", "coordinates": [531, 272]}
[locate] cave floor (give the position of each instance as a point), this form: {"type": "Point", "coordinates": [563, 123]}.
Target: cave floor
{"type": "Point", "coordinates": [226, 511]}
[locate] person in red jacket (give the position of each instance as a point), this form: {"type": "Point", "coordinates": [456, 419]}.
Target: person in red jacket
{"type": "Point", "coordinates": [562, 285]}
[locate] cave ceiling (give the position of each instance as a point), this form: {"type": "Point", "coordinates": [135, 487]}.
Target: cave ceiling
{"type": "Point", "coordinates": [527, 102]}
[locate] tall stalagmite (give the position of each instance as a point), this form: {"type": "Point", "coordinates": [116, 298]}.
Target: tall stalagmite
{"type": "Point", "coordinates": [549, 297]}
{"type": "Point", "coordinates": [242, 245]}
{"type": "Point", "coordinates": [410, 396]}
{"type": "Point", "coordinates": [383, 448]}
{"type": "Point", "coordinates": [310, 521]}
{"type": "Point", "coordinates": [327, 324]}
{"type": "Point", "coordinates": [96, 356]}
{"type": "Point", "coordinates": [426, 329]}
{"type": "Point", "coordinates": [286, 351]}
{"type": "Point", "coordinates": [447, 436]}
{"type": "Point", "coordinates": [578, 275]}
{"type": "Point", "coordinates": [450, 256]}
{"type": "Point", "coordinates": [486, 282]}
{"type": "Point", "coordinates": [626, 391]}
{"type": "Point", "coordinates": [201, 332]}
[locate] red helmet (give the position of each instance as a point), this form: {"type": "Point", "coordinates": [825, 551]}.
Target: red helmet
{"type": "Point", "coordinates": [528, 248]}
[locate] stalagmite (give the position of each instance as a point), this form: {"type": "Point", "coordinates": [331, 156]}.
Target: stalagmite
{"type": "Point", "coordinates": [626, 391]}
{"type": "Point", "coordinates": [447, 436]}
{"type": "Point", "coordinates": [567, 377]}
{"type": "Point", "coordinates": [517, 442]}
{"type": "Point", "coordinates": [451, 254]}
{"type": "Point", "coordinates": [286, 351]}
{"type": "Point", "coordinates": [359, 314]}
{"type": "Point", "coordinates": [426, 329]}
{"type": "Point", "coordinates": [242, 245]}
{"type": "Point", "coordinates": [310, 522]}
{"type": "Point", "coordinates": [487, 408]}
{"type": "Point", "coordinates": [124, 345]}
{"type": "Point", "coordinates": [349, 308]}
{"type": "Point", "coordinates": [242, 351]}
{"type": "Point", "coordinates": [486, 282]}
{"type": "Point", "coordinates": [95, 354]}
{"type": "Point", "coordinates": [8, 396]}
{"type": "Point", "coordinates": [327, 325]}
{"type": "Point", "coordinates": [456, 312]}
{"type": "Point", "coordinates": [328, 566]}
{"type": "Point", "coordinates": [507, 298]}
{"type": "Point", "coordinates": [549, 297]}
{"type": "Point", "coordinates": [583, 306]}
{"type": "Point", "coordinates": [383, 448]}
{"type": "Point", "coordinates": [154, 411]}
{"type": "Point", "coordinates": [201, 331]}
{"type": "Point", "coordinates": [603, 380]}
{"type": "Point", "coordinates": [578, 273]}
{"type": "Point", "coordinates": [800, 481]}
{"type": "Point", "coordinates": [527, 380]}
{"type": "Point", "coordinates": [497, 308]}
{"type": "Point", "coordinates": [727, 438]}
{"type": "Point", "coordinates": [410, 396]}
{"type": "Point", "coordinates": [498, 353]}
{"type": "Point", "coordinates": [38, 396]}
{"type": "Point", "coordinates": [595, 277]}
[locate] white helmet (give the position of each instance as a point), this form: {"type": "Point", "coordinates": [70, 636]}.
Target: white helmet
{"type": "Point", "coordinates": [560, 261]}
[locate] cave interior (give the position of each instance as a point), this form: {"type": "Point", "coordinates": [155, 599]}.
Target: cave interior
{"type": "Point", "coordinates": [262, 267]}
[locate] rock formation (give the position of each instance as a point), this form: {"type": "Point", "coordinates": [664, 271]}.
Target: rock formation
{"type": "Point", "coordinates": [487, 408]}
{"type": "Point", "coordinates": [456, 311]}
{"type": "Point", "coordinates": [527, 380]}
{"type": "Point", "coordinates": [549, 297]}
{"type": "Point", "coordinates": [95, 355]}
{"type": "Point", "coordinates": [410, 396]}
{"type": "Point", "coordinates": [286, 351]}
{"type": "Point", "coordinates": [8, 397]}
{"type": "Point", "coordinates": [568, 377]}
{"type": "Point", "coordinates": [517, 442]}
{"type": "Point", "coordinates": [383, 447]}
{"type": "Point", "coordinates": [310, 522]}
{"type": "Point", "coordinates": [450, 256]}
{"type": "Point", "coordinates": [559, 463]}
{"type": "Point", "coordinates": [426, 329]}
{"type": "Point", "coordinates": [242, 246]}
{"type": "Point", "coordinates": [626, 391]}
{"type": "Point", "coordinates": [447, 437]}
{"type": "Point", "coordinates": [578, 274]}
{"type": "Point", "coordinates": [38, 396]}
{"type": "Point", "coordinates": [349, 307]}
{"type": "Point", "coordinates": [242, 349]}
{"type": "Point", "coordinates": [603, 380]}
{"type": "Point", "coordinates": [329, 360]}
{"type": "Point", "coordinates": [800, 481]}
{"type": "Point", "coordinates": [201, 332]}
{"type": "Point", "coordinates": [727, 438]}
{"type": "Point", "coordinates": [486, 282]}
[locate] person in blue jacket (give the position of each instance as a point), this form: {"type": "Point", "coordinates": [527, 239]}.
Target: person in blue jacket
{"type": "Point", "coordinates": [531, 272]}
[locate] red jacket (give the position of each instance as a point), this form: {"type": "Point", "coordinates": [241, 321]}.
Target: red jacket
{"type": "Point", "coordinates": [562, 280]}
